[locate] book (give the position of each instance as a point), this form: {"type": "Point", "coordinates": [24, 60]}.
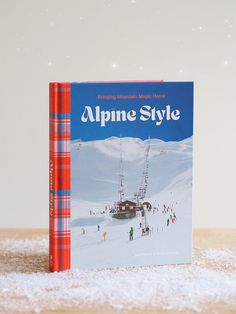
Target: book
{"type": "Point", "coordinates": [120, 174]}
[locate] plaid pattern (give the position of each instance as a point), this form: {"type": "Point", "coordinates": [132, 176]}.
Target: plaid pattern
{"type": "Point", "coordinates": [59, 172]}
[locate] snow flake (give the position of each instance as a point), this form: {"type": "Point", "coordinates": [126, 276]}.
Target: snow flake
{"type": "Point", "coordinates": [114, 65]}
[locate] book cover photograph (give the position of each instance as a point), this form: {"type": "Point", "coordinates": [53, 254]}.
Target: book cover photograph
{"type": "Point", "coordinates": [120, 174]}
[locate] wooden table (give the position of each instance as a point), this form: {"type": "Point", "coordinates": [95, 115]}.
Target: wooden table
{"type": "Point", "coordinates": [202, 239]}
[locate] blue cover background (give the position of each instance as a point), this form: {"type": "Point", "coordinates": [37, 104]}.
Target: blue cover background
{"type": "Point", "coordinates": [179, 95]}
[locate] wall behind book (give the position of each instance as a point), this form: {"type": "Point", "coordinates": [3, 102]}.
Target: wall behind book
{"type": "Point", "coordinates": [76, 40]}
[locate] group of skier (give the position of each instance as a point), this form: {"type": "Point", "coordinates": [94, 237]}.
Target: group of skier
{"type": "Point", "coordinates": [145, 230]}
{"type": "Point", "coordinates": [169, 210]}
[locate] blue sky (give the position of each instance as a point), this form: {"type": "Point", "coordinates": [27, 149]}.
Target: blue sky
{"type": "Point", "coordinates": [178, 95]}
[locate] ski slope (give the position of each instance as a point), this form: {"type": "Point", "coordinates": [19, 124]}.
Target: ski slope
{"type": "Point", "coordinates": [96, 165]}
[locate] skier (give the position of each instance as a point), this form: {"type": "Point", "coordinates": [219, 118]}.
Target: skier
{"type": "Point", "coordinates": [104, 235]}
{"type": "Point", "coordinates": [167, 223]}
{"type": "Point", "coordinates": [131, 234]}
{"type": "Point", "coordinates": [98, 228]}
{"type": "Point", "coordinates": [147, 230]}
{"type": "Point", "coordinates": [140, 225]}
{"type": "Point", "coordinates": [83, 230]}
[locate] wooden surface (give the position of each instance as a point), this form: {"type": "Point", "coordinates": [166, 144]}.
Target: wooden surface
{"type": "Point", "coordinates": [202, 239]}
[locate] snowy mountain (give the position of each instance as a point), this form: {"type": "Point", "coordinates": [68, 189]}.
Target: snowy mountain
{"type": "Point", "coordinates": [95, 166]}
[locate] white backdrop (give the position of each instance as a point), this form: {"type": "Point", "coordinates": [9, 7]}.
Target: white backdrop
{"type": "Point", "coordinates": [77, 40]}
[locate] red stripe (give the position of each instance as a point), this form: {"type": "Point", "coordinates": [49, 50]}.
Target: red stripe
{"type": "Point", "coordinates": [59, 243]}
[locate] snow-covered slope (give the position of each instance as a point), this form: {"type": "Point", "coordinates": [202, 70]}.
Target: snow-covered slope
{"type": "Point", "coordinates": [95, 170]}
{"type": "Point", "coordinates": [95, 166]}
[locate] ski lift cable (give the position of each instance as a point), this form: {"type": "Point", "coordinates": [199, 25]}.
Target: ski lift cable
{"type": "Point", "coordinates": [144, 180]}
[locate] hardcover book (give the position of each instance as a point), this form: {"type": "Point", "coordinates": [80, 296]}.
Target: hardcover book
{"type": "Point", "coordinates": [120, 174]}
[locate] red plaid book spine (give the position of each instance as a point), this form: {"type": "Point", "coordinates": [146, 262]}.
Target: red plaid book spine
{"type": "Point", "coordinates": [59, 177]}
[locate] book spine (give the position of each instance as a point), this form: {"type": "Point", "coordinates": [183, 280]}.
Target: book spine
{"type": "Point", "coordinates": [59, 176]}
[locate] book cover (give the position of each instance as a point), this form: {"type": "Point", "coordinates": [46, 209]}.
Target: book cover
{"type": "Point", "coordinates": [120, 174]}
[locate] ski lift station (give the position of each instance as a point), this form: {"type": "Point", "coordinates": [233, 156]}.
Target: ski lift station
{"type": "Point", "coordinates": [125, 209]}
